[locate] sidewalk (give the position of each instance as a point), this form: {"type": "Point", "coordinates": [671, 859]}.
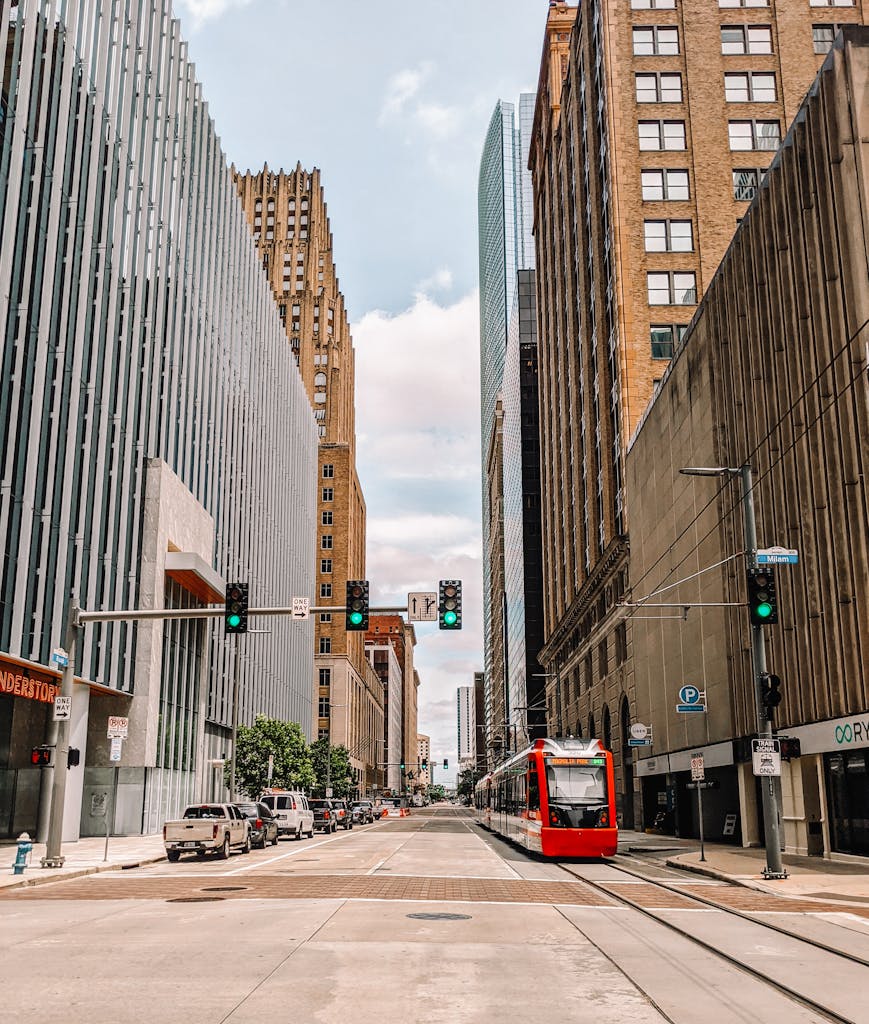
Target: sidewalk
{"type": "Point", "coordinates": [82, 858]}
{"type": "Point", "coordinates": [808, 876]}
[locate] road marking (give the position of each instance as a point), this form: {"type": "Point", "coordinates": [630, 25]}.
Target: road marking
{"type": "Point", "coordinates": [290, 853]}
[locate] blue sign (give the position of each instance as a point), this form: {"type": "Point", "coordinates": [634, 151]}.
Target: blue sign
{"type": "Point", "coordinates": [690, 700]}
{"type": "Point", "coordinates": [640, 743]}
{"type": "Point", "coordinates": [778, 556]}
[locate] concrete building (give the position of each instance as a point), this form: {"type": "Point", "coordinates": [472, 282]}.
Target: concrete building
{"type": "Point", "coordinates": [389, 645]}
{"type": "Point", "coordinates": [506, 245]}
{"type": "Point", "coordinates": [423, 757]}
{"type": "Point", "coordinates": [156, 438]}
{"type": "Point", "coordinates": [466, 727]}
{"type": "Point", "coordinates": [773, 371]}
{"type": "Point", "coordinates": [655, 124]}
{"type": "Point", "coordinates": [289, 220]}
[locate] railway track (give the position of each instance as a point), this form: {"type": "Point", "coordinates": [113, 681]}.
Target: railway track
{"type": "Point", "coordinates": [787, 986]}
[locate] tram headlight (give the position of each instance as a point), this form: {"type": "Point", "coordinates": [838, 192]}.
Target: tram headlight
{"type": "Point", "coordinates": [554, 818]}
{"type": "Point", "coordinates": [603, 818]}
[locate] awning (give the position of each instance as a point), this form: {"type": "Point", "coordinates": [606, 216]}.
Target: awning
{"type": "Point", "coordinates": [196, 576]}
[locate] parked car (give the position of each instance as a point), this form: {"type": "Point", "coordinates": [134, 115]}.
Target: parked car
{"type": "Point", "coordinates": [324, 818]}
{"type": "Point", "coordinates": [292, 812]}
{"type": "Point", "coordinates": [207, 828]}
{"type": "Point", "coordinates": [341, 810]}
{"type": "Point", "coordinates": [363, 812]}
{"type": "Point", "coordinates": [263, 824]}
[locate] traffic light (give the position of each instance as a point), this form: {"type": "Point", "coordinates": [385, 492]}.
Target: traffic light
{"type": "Point", "coordinates": [40, 757]}
{"type": "Point", "coordinates": [73, 757]}
{"type": "Point", "coordinates": [356, 606]}
{"type": "Point", "coordinates": [450, 604]}
{"type": "Point", "coordinates": [446, 764]}
{"type": "Point", "coordinates": [790, 747]}
{"type": "Point", "coordinates": [762, 603]}
{"type": "Point", "coordinates": [235, 618]}
{"type": "Point", "coordinates": [424, 765]}
{"type": "Point", "coordinates": [402, 767]}
{"type": "Point", "coordinates": [770, 693]}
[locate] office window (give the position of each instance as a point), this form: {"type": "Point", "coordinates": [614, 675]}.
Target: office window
{"type": "Point", "coordinates": [325, 565]}
{"type": "Point", "coordinates": [746, 182]}
{"type": "Point", "coordinates": [663, 338]}
{"type": "Point", "coordinates": [326, 517]}
{"type": "Point", "coordinates": [668, 235]}
{"type": "Point", "coordinates": [746, 39]}
{"type": "Point", "coordinates": [743, 3]}
{"type": "Point", "coordinates": [754, 86]}
{"type": "Point", "coordinates": [328, 494]}
{"type": "Point", "coordinates": [656, 41]}
{"type": "Point", "coordinates": [326, 541]}
{"type": "Point", "coordinates": [754, 134]}
{"type": "Point", "coordinates": [325, 616]}
{"type": "Point", "coordinates": [823, 36]}
{"type": "Point", "coordinates": [325, 648]}
{"type": "Point", "coordinates": [671, 288]}
{"type": "Point", "coordinates": [326, 673]}
{"type": "Point", "coordinates": [831, 3]}
{"type": "Point", "coordinates": [662, 135]}
{"type": "Point", "coordinates": [602, 658]}
{"type": "Point", "coordinates": [665, 184]}
{"type": "Point", "coordinates": [328, 470]}
{"type": "Point", "coordinates": [325, 590]}
{"type": "Point", "coordinates": [653, 5]}
{"type": "Point", "coordinates": [659, 87]}
{"type": "Point", "coordinates": [323, 707]}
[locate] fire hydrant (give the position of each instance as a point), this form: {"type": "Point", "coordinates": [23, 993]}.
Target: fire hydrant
{"type": "Point", "coordinates": [25, 845]}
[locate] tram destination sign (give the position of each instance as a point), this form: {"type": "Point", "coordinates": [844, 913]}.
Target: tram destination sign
{"type": "Point", "coordinates": [575, 760]}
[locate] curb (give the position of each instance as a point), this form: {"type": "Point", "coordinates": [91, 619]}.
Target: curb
{"type": "Point", "coordinates": [745, 883]}
{"type": "Point", "coordinates": [61, 875]}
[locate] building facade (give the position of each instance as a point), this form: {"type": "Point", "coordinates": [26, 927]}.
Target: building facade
{"type": "Point", "coordinates": [466, 727]}
{"type": "Point", "coordinates": [423, 757]}
{"type": "Point", "coordinates": [389, 645]}
{"type": "Point", "coordinates": [655, 124]}
{"type": "Point", "coordinates": [156, 437]}
{"type": "Point", "coordinates": [289, 220]}
{"type": "Point", "coordinates": [773, 372]}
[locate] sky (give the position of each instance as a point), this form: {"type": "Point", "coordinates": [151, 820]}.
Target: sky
{"type": "Point", "coordinates": [391, 100]}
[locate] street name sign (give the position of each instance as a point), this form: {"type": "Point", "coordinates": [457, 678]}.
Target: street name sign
{"type": "Point", "coordinates": [777, 556]}
{"type": "Point", "coordinates": [691, 700]}
{"type": "Point", "coordinates": [422, 606]}
{"type": "Point", "coordinates": [301, 607]}
{"type": "Point", "coordinates": [645, 742]}
{"type": "Point", "coordinates": [60, 657]}
{"type": "Point", "coordinates": [766, 757]}
{"type": "Point", "coordinates": [62, 708]}
{"type": "Point", "coordinates": [118, 727]}
{"type": "Point", "coordinates": [698, 771]}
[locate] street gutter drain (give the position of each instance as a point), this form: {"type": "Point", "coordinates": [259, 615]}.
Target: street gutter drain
{"type": "Point", "coordinates": [225, 888]}
{"type": "Point", "coordinates": [440, 917]}
{"type": "Point", "coordinates": [196, 899]}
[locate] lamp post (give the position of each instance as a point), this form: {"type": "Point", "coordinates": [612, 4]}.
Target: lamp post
{"type": "Point", "coordinates": [772, 838]}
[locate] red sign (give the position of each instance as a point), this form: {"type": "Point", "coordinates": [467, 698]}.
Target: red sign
{"type": "Point", "coordinates": [14, 682]}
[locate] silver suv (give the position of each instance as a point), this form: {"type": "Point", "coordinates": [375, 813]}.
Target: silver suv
{"type": "Point", "coordinates": [292, 812]}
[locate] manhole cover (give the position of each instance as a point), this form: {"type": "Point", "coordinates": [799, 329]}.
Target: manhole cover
{"type": "Point", "coordinates": [196, 899]}
{"type": "Point", "coordinates": [440, 917]}
{"type": "Point", "coordinates": [224, 888]}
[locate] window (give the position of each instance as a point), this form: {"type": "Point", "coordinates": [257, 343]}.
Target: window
{"type": "Point", "coordinates": [326, 517]}
{"type": "Point", "coordinates": [325, 616]}
{"type": "Point", "coordinates": [322, 734]}
{"type": "Point", "coordinates": [323, 707]}
{"type": "Point", "coordinates": [659, 88]}
{"type": "Point", "coordinates": [754, 86]}
{"type": "Point", "coordinates": [325, 590]}
{"type": "Point", "coordinates": [325, 673]}
{"type": "Point", "coordinates": [603, 658]}
{"type": "Point", "coordinates": [823, 36]}
{"type": "Point", "coordinates": [668, 235]}
{"type": "Point", "coordinates": [663, 337]}
{"type": "Point", "coordinates": [662, 134]}
{"type": "Point", "coordinates": [326, 565]}
{"type": "Point", "coordinates": [754, 134]}
{"type": "Point", "coordinates": [326, 542]}
{"type": "Point", "coordinates": [320, 397]}
{"type": "Point", "coordinates": [746, 39]}
{"type": "Point", "coordinates": [656, 41]}
{"type": "Point", "coordinates": [325, 648]}
{"type": "Point", "coordinates": [746, 182]}
{"type": "Point", "coordinates": [671, 288]}
{"type": "Point", "coordinates": [653, 5]}
{"type": "Point", "coordinates": [831, 3]}
{"type": "Point", "coordinates": [328, 470]}
{"type": "Point", "coordinates": [621, 643]}
{"type": "Point", "coordinates": [665, 184]}
{"type": "Point", "coordinates": [743, 3]}
{"type": "Point", "coordinates": [328, 494]}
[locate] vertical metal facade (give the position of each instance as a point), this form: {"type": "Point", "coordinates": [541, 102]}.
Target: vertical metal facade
{"type": "Point", "coordinates": [137, 324]}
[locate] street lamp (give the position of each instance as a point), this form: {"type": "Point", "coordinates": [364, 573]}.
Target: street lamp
{"type": "Point", "coordinates": [774, 868]}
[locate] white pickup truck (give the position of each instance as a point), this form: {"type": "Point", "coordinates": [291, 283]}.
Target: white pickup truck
{"type": "Point", "coordinates": [207, 828]}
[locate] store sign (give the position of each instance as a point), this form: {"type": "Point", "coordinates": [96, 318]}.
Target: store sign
{"type": "Point", "coordinates": [16, 684]}
{"type": "Point", "coordinates": [837, 734]}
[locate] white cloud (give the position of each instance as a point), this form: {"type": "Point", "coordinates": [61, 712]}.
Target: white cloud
{"type": "Point", "coordinates": [440, 281]}
{"type": "Point", "coordinates": [201, 11]}
{"type": "Point", "coordinates": [439, 121]}
{"type": "Point", "coordinates": [401, 88]}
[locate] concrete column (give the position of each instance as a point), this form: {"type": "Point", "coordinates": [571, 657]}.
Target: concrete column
{"type": "Point", "coordinates": [78, 736]}
{"type": "Point", "coordinates": [748, 805]}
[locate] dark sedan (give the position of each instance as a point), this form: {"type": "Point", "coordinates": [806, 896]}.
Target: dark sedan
{"type": "Point", "coordinates": [263, 825]}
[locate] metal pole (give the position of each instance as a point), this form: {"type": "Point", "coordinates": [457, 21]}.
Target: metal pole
{"type": "Point", "coordinates": [53, 858]}
{"type": "Point", "coordinates": [236, 682]}
{"type": "Point", "coordinates": [772, 837]}
{"type": "Point", "coordinates": [700, 816]}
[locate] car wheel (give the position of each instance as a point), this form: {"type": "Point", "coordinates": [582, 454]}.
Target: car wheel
{"type": "Point", "coordinates": [223, 852]}
{"type": "Point", "coordinates": [173, 856]}
{"type": "Point", "coordinates": [311, 833]}
{"type": "Point", "coordinates": [334, 828]}
{"type": "Point", "coordinates": [275, 840]}
{"type": "Point", "coordinates": [298, 835]}
{"type": "Point", "coordinates": [247, 844]}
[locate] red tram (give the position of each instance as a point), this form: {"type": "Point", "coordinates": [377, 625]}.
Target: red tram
{"type": "Point", "coordinates": [556, 798]}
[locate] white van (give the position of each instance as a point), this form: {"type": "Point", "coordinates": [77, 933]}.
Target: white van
{"type": "Point", "coordinates": [292, 812]}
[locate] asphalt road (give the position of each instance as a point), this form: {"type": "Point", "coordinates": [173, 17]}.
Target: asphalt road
{"type": "Point", "coordinates": [425, 919]}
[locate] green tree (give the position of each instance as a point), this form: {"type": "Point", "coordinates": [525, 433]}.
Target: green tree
{"type": "Point", "coordinates": [292, 757]}
{"type": "Point", "coordinates": [465, 783]}
{"type": "Point", "coordinates": [436, 793]}
{"type": "Point", "coordinates": [341, 776]}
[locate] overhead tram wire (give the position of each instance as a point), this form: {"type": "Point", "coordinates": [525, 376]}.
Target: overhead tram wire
{"type": "Point", "coordinates": [736, 504]}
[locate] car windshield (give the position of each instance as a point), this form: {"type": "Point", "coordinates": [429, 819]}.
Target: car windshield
{"type": "Point", "coordinates": [319, 803]}
{"type": "Point", "coordinates": [206, 811]}
{"type": "Point", "coordinates": [577, 782]}
{"type": "Point", "coordinates": [248, 810]}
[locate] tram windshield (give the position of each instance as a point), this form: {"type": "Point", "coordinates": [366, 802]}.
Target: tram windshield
{"type": "Point", "coordinates": [576, 782]}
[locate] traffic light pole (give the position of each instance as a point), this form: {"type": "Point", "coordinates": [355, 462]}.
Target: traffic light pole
{"type": "Point", "coordinates": [769, 795]}
{"type": "Point", "coordinates": [236, 685]}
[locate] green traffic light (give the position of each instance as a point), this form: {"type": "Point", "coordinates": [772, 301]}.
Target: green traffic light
{"type": "Point", "coordinates": [450, 618]}
{"type": "Point", "coordinates": [356, 618]}
{"type": "Point", "coordinates": [233, 621]}
{"type": "Point", "coordinates": [763, 610]}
